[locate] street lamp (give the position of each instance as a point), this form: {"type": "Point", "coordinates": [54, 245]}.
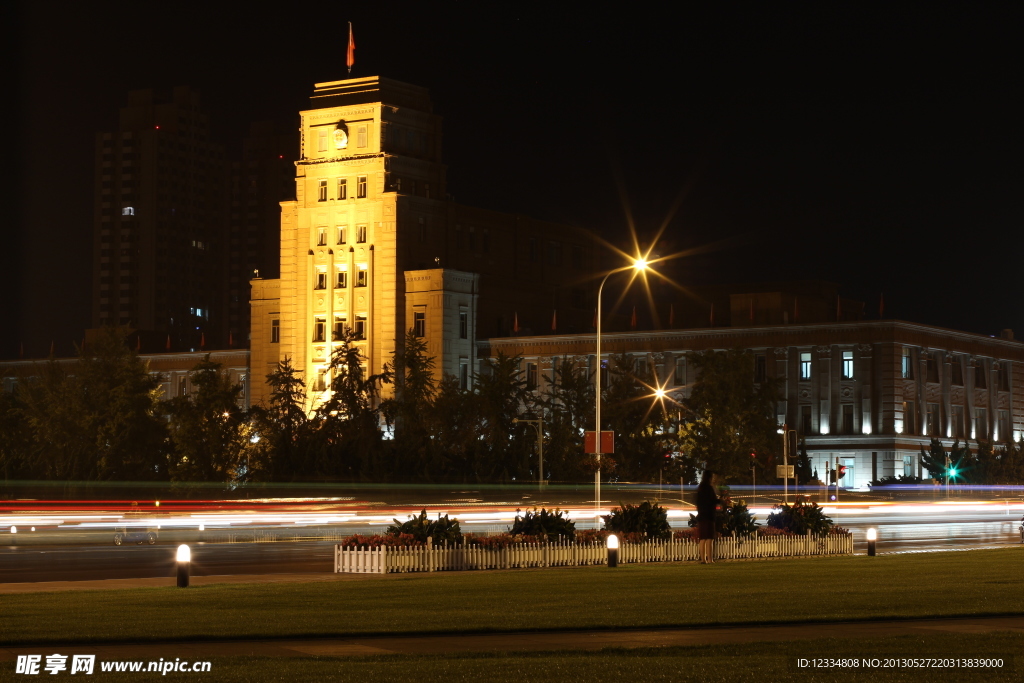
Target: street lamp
{"type": "Point", "coordinates": [639, 265]}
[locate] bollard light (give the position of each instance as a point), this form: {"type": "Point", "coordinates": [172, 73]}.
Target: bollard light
{"type": "Point", "coordinates": [202, 527]}
{"type": "Point", "coordinates": [613, 551]}
{"type": "Point", "coordinates": [872, 535]}
{"type": "Point", "coordinates": [14, 529]}
{"type": "Point", "coordinates": [184, 565]}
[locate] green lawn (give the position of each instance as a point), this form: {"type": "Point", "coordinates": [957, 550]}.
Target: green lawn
{"type": "Point", "coordinates": [841, 588]}
{"type": "Point", "coordinates": [760, 662]}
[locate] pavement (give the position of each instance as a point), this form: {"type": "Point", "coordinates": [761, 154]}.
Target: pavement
{"type": "Point", "coordinates": [164, 582]}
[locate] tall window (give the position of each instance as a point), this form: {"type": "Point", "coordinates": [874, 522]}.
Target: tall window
{"type": "Point", "coordinates": [361, 187]}
{"type": "Point", "coordinates": [847, 426]}
{"type": "Point", "coordinates": [932, 366]}
{"type": "Point", "coordinates": [360, 327]}
{"type": "Point", "coordinates": [321, 280]}
{"type": "Point", "coordinates": [321, 141]}
{"type": "Point", "coordinates": [554, 253]}
{"type": "Point", "coordinates": [760, 368]}
{"type": "Point", "coordinates": [182, 386]}
{"type": "Point", "coordinates": [958, 372]}
{"type": "Point", "coordinates": [319, 329]}
{"type": "Point", "coordinates": [1004, 376]}
{"type": "Point", "coordinates": [463, 374]}
{"type": "Point", "coordinates": [981, 424]}
{"type": "Point", "coordinates": [423, 229]}
{"type": "Point", "coordinates": [907, 366]}
{"type": "Point", "coordinates": [275, 331]}
{"type": "Point", "coordinates": [979, 375]}
{"type": "Point", "coordinates": [419, 321]}
{"type": "Point", "coordinates": [679, 376]}
{"type": "Point", "coordinates": [847, 364]}
{"type": "Point", "coordinates": [805, 366]}
{"type": "Point", "coordinates": [341, 234]}
{"type": "Point", "coordinates": [342, 188]}
{"type": "Point", "coordinates": [321, 237]}
{"type": "Point", "coordinates": [321, 381]}
{"type": "Point", "coordinates": [909, 418]}
{"type": "Point", "coordinates": [361, 136]}
{"type": "Point", "coordinates": [463, 324]}
{"type": "Point", "coordinates": [340, 323]}
{"type": "Point", "coordinates": [341, 282]}
{"type": "Point", "coordinates": [361, 276]}
{"type": "Point", "coordinates": [957, 428]}
{"type": "Point", "coordinates": [361, 234]}
{"type": "Point", "coordinates": [805, 420]}
{"type": "Point", "coordinates": [1003, 420]}
{"type": "Point", "coordinates": [321, 191]}
{"type": "Point", "coordinates": [531, 376]}
{"type": "Point", "coordinates": [933, 419]}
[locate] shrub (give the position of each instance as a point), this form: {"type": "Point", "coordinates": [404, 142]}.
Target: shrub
{"type": "Point", "coordinates": [646, 519]}
{"type": "Point", "coordinates": [901, 480]}
{"type": "Point", "coordinates": [801, 517]}
{"type": "Point", "coordinates": [440, 531]}
{"type": "Point", "coordinates": [378, 540]}
{"type": "Point", "coordinates": [731, 517]}
{"type": "Point", "coordinates": [550, 525]}
{"type": "Point", "coordinates": [685, 534]}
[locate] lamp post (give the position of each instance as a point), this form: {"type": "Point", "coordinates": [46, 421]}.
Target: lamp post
{"type": "Point", "coordinates": [539, 426]}
{"type": "Point", "coordinates": [184, 565]}
{"type": "Point", "coordinates": [871, 542]}
{"type": "Point", "coordinates": [639, 264]}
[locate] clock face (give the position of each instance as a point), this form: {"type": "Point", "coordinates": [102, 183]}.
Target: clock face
{"type": "Point", "coordinates": [340, 138]}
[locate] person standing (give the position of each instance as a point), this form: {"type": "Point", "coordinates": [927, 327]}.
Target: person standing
{"type": "Point", "coordinates": [707, 502]}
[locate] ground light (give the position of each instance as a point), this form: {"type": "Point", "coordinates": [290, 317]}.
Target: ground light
{"type": "Point", "coordinates": [872, 534]}
{"type": "Point", "coordinates": [14, 529]}
{"type": "Point", "coordinates": [184, 559]}
{"type": "Point", "coordinates": [613, 551]}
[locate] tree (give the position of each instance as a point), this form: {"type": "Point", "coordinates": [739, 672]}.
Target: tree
{"type": "Point", "coordinates": [960, 460]}
{"type": "Point", "coordinates": [503, 396]}
{"type": "Point", "coordinates": [282, 428]}
{"type": "Point", "coordinates": [408, 411]}
{"type": "Point", "coordinates": [802, 469]}
{"type": "Point", "coordinates": [729, 416]}
{"type": "Point", "coordinates": [638, 420]}
{"type": "Point", "coordinates": [568, 409]}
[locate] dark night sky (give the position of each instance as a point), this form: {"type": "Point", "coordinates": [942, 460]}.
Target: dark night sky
{"type": "Point", "coordinates": [876, 146]}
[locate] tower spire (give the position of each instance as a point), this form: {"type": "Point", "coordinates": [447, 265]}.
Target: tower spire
{"type": "Point", "coordinates": [350, 54]}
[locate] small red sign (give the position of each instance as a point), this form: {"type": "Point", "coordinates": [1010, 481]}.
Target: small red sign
{"type": "Point", "coordinates": [607, 442]}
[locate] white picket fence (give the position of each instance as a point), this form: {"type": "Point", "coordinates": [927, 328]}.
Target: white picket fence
{"type": "Point", "coordinates": [385, 560]}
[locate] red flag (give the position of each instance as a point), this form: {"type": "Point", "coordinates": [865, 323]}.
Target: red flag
{"type": "Point", "coordinates": [138, 343]}
{"type": "Point", "coordinates": [350, 54]}
{"type": "Point", "coordinates": [515, 323]}
{"type": "Point", "coordinates": [168, 342]}
{"type": "Point", "coordinates": [671, 315]}
{"type": "Point", "coordinates": [231, 340]}
{"type": "Point", "coordinates": [202, 340]}
{"type": "Point", "coordinates": [51, 348]}
{"type": "Point", "coordinates": [881, 305]}
{"type": "Point", "coordinates": [712, 314]}
{"type": "Point", "coordinates": [632, 321]}
{"type": "Point", "coordinates": [554, 320]}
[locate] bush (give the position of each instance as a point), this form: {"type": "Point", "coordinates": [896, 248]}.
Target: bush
{"type": "Point", "coordinates": [801, 517]}
{"type": "Point", "coordinates": [549, 525]}
{"type": "Point", "coordinates": [440, 531]}
{"type": "Point", "coordinates": [378, 540]}
{"type": "Point", "coordinates": [731, 518]}
{"type": "Point", "coordinates": [646, 519]}
{"type": "Point", "coordinates": [896, 481]}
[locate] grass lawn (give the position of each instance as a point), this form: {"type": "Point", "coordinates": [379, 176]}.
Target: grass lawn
{"type": "Point", "coordinates": [761, 662]}
{"type": "Point", "coordinates": [839, 588]}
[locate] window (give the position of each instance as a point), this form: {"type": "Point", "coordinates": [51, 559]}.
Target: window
{"type": "Point", "coordinates": [182, 386]}
{"type": "Point", "coordinates": [463, 324]}
{"type": "Point", "coordinates": [426, 190]}
{"type": "Point", "coordinates": [321, 237]}
{"type": "Point", "coordinates": [321, 192]}
{"type": "Point", "coordinates": [1003, 419]}
{"type": "Point", "coordinates": [641, 367]}
{"type": "Point", "coordinates": [957, 428]}
{"type": "Point", "coordinates": [932, 368]}
{"type": "Point", "coordinates": [909, 418]}
{"type": "Point", "coordinates": [321, 280]}
{"type": "Point", "coordinates": [679, 376]}
{"type": "Point", "coordinates": [361, 276]}
{"type": "Point", "coordinates": [907, 366]}
{"type": "Point", "coordinates": [805, 419]}
{"type": "Point", "coordinates": [360, 328]}
{"type": "Point", "coordinates": [981, 424]}
{"type": "Point", "coordinates": [933, 419]}
{"type": "Point", "coordinates": [321, 141]}
{"type": "Point", "coordinates": [341, 282]}
{"type": "Point", "coordinates": [361, 234]}
{"type": "Point", "coordinates": [846, 427]}
{"type": "Point", "coordinates": [760, 368]}
{"type": "Point", "coordinates": [1004, 376]}
{"type": "Point", "coordinates": [361, 136]}
{"type": "Point", "coordinates": [341, 234]}
{"type": "Point", "coordinates": [340, 323]}
{"type": "Point", "coordinates": [531, 376]}
{"type": "Point", "coordinates": [958, 372]}
{"type": "Point", "coordinates": [342, 188]}
{"type": "Point", "coordinates": [361, 187]}
{"type": "Point", "coordinates": [319, 329]}
{"type": "Point", "coordinates": [847, 364]}
{"type": "Point", "coordinates": [128, 211]}
{"type": "Point", "coordinates": [275, 331]}
{"type": "Point", "coordinates": [463, 374]}
{"type": "Point", "coordinates": [805, 366]}
{"type": "Point", "coordinates": [979, 376]}
{"type": "Point", "coordinates": [419, 321]}
{"type": "Point", "coordinates": [554, 253]}
{"type": "Point", "coordinates": [321, 381]}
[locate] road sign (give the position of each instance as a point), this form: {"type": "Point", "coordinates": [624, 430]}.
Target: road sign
{"type": "Point", "coordinates": [785, 471]}
{"type": "Point", "coordinates": [607, 442]}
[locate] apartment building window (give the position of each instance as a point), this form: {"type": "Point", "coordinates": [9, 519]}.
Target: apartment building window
{"type": "Point", "coordinates": [909, 418]}
{"type": "Point", "coordinates": [319, 329]}
{"type": "Point", "coordinates": [182, 386]}
{"type": "Point", "coordinates": [957, 428]}
{"type": "Point", "coordinates": [907, 366]}
{"type": "Point", "coordinates": [321, 237]}
{"type": "Point", "coordinates": [463, 324]}
{"type": "Point", "coordinates": [932, 367]}
{"type": "Point", "coordinates": [847, 364]}
{"type": "Point", "coordinates": [361, 136]}
{"type": "Point", "coordinates": [341, 234]}
{"type": "Point", "coordinates": [321, 280]}
{"type": "Point", "coordinates": [805, 420]}
{"type": "Point", "coordinates": [321, 380]}
{"type": "Point", "coordinates": [360, 327]}
{"type": "Point", "coordinates": [361, 276]}
{"type": "Point", "coordinates": [321, 141]}
{"type": "Point", "coordinates": [275, 331]}
{"type": "Point", "coordinates": [360, 234]}
{"type": "Point", "coordinates": [341, 282]}
{"type": "Point", "coordinates": [760, 368]}
{"type": "Point", "coordinates": [979, 376]}
{"type": "Point", "coordinates": [805, 366]}
{"type": "Point", "coordinates": [933, 419]}
{"type": "Point", "coordinates": [1003, 424]}
{"type": "Point", "coordinates": [463, 374]}
{"type": "Point", "coordinates": [554, 253]}
{"type": "Point", "coordinates": [641, 367]}
{"type": "Point", "coordinates": [321, 191]}
{"type": "Point", "coordinates": [679, 374]}
{"type": "Point", "coordinates": [1004, 376]}
{"type": "Point", "coordinates": [419, 321]}
{"type": "Point", "coordinates": [412, 187]}
{"type": "Point", "coordinates": [958, 372]}
{"type": "Point", "coordinates": [847, 424]}
{"type": "Point", "coordinates": [342, 188]}
{"type": "Point", "coordinates": [426, 190]}
{"type": "Point", "coordinates": [531, 376]}
{"type": "Point", "coordinates": [361, 187]}
{"type": "Point", "coordinates": [340, 323]}
{"type": "Point", "coordinates": [981, 424]}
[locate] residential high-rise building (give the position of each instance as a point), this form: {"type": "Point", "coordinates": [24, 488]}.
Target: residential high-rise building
{"type": "Point", "coordinates": [160, 222]}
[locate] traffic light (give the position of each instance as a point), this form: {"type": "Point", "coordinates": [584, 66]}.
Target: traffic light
{"type": "Point", "coordinates": [842, 472]}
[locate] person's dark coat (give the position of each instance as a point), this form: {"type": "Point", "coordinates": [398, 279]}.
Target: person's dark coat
{"type": "Point", "coordinates": [707, 501]}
